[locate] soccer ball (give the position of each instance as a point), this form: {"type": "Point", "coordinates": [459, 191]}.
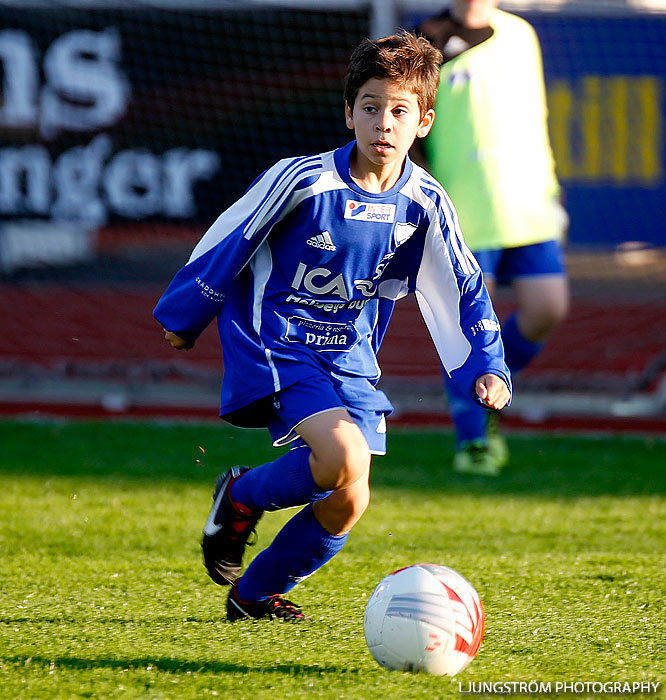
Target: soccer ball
{"type": "Point", "coordinates": [424, 618]}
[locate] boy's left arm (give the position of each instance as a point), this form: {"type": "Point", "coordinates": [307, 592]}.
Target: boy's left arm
{"type": "Point", "coordinates": [457, 309]}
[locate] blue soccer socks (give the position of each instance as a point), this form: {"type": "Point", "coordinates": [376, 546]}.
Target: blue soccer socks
{"type": "Point", "coordinates": [469, 418]}
{"type": "Point", "coordinates": [283, 483]}
{"type": "Point", "coordinates": [519, 351]}
{"type": "Point", "coordinates": [298, 550]}
{"type": "Point", "coordinates": [303, 545]}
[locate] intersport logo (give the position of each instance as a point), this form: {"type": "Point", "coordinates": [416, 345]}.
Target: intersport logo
{"type": "Point", "coordinates": [367, 211]}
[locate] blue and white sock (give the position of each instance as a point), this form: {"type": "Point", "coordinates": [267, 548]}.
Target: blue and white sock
{"type": "Point", "coordinates": [298, 550]}
{"type": "Point", "coordinates": [283, 483]}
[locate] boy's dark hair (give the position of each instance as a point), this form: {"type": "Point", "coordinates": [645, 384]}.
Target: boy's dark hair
{"type": "Point", "coordinates": [409, 60]}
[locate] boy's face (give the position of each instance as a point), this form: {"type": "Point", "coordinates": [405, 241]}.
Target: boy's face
{"type": "Point", "coordinates": [386, 119]}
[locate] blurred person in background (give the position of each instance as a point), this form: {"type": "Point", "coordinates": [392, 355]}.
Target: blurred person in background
{"type": "Point", "coordinates": [490, 149]}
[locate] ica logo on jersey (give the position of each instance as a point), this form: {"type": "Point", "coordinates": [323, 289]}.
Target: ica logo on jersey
{"type": "Point", "coordinates": [320, 281]}
{"type": "Point", "coordinates": [367, 211]}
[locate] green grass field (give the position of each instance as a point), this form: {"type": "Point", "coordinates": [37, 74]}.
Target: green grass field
{"type": "Point", "coordinates": [103, 595]}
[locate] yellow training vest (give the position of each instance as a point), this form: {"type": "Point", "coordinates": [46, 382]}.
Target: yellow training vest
{"type": "Point", "coordinates": [489, 145]}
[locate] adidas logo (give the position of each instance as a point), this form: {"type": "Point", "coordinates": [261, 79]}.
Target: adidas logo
{"type": "Point", "coordinates": [323, 241]}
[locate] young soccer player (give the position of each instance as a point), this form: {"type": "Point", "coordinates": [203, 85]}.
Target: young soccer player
{"type": "Point", "coordinates": [491, 151]}
{"type": "Point", "coordinates": [302, 274]}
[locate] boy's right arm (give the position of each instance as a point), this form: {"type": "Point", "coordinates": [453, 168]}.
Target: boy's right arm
{"type": "Point", "coordinates": [195, 295]}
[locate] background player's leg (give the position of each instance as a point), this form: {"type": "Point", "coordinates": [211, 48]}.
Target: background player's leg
{"type": "Point", "coordinates": [542, 303]}
{"type": "Point", "coordinates": [469, 418]}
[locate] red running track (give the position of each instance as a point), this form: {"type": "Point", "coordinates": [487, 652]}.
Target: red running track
{"type": "Point", "coordinates": [52, 326]}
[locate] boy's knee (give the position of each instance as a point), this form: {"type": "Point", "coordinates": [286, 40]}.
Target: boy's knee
{"type": "Point", "coordinates": [354, 465]}
{"type": "Point", "coordinates": [342, 465]}
{"type": "Point", "coordinates": [339, 512]}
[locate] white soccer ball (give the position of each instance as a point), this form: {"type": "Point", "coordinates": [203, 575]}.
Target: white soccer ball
{"type": "Point", "coordinates": [424, 618]}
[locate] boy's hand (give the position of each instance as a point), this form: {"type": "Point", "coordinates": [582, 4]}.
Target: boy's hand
{"type": "Point", "coordinates": [177, 342]}
{"type": "Point", "coordinates": [492, 390]}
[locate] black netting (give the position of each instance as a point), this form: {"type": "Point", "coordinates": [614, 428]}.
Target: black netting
{"type": "Point", "coordinates": [125, 132]}
{"type": "Point", "coordinates": [119, 117]}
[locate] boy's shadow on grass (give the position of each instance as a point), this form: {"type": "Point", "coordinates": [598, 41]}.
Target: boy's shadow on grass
{"type": "Point", "coordinates": [176, 666]}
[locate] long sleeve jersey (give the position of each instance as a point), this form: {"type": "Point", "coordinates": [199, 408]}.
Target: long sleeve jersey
{"type": "Point", "coordinates": [303, 272]}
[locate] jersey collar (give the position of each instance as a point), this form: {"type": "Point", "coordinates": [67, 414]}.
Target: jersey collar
{"type": "Point", "coordinates": [341, 159]}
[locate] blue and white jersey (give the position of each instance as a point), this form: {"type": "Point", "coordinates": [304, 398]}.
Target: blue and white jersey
{"type": "Point", "coordinates": [302, 274]}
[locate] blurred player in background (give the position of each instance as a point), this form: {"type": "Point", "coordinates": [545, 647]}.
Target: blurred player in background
{"type": "Point", "coordinates": [490, 149]}
{"type": "Point", "coordinates": [302, 274]}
